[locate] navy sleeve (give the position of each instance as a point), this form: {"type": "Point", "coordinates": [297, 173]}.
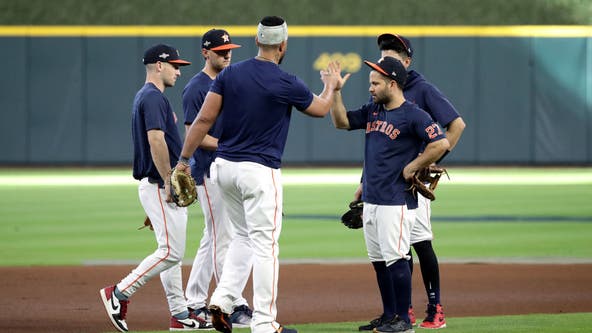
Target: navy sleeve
{"type": "Point", "coordinates": [300, 96]}
{"type": "Point", "coordinates": [155, 110]}
{"type": "Point", "coordinates": [439, 106]}
{"type": "Point", "coordinates": [192, 101]}
{"type": "Point", "coordinates": [425, 127]}
{"type": "Point", "coordinates": [358, 118]}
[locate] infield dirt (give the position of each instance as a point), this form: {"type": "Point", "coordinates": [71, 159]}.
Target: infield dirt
{"type": "Point", "coordinates": [66, 299]}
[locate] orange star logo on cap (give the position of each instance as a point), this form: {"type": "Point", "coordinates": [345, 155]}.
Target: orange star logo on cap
{"type": "Point", "coordinates": [225, 38]}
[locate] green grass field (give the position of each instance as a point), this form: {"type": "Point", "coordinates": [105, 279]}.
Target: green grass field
{"type": "Point", "coordinates": [76, 216]}
{"type": "Point", "coordinates": [80, 216]}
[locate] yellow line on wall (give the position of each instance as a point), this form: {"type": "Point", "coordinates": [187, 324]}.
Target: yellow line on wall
{"type": "Point", "coordinates": [300, 31]}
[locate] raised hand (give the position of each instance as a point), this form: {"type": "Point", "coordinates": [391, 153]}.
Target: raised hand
{"type": "Point", "coordinates": [332, 76]}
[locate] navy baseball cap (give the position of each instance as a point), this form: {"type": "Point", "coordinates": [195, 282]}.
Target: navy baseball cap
{"type": "Point", "coordinates": [391, 68]}
{"type": "Point", "coordinates": [217, 40]}
{"type": "Point", "coordinates": [397, 39]}
{"type": "Point", "coordinates": [163, 53]}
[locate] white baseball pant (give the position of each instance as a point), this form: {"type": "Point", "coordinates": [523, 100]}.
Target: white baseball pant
{"type": "Point", "coordinates": [170, 224]}
{"type": "Point", "coordinates": [253, 197]}
{"type": "Point", "coordinates": [214, 244]}
{"type": "Point", "coordinates": [422, 227]}
{"type": "Point", "coordinates": [387, 231]}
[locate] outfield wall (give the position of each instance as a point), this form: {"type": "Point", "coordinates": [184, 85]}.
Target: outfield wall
{"type": "Point", "coordinates": [524, 92]}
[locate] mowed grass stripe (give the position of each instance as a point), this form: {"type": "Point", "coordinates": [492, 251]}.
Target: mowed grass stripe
{"type": "Point", "coordinates": [458, 176]}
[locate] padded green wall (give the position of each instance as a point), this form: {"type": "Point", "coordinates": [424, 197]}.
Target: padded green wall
{"type": "Point", "coordinates": [526, 100]}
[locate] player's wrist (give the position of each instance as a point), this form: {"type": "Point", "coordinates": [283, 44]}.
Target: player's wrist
{"type": "Point", "coordinates": [167, 179]}
{"type": "Point", "coordinates": [183, 160]}
{"type": "Point", "coordinates": [442, 157]}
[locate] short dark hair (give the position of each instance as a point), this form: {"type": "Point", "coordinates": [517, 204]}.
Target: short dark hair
{"type": "Point", "coordinates": [392, 44]}
{"type": "Point", "coordinates": [272, 21]}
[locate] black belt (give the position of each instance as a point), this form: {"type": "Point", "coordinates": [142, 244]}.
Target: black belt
{"type": "Point", "coordinates": [155, 181]}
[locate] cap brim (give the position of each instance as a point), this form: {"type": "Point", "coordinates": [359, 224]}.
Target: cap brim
{"type": "Point", "coordinates": [225, 47]}
{"type": "Point", "coordinates": [376, 68]}
{"type": "Point", "coordinates": [179, 62]}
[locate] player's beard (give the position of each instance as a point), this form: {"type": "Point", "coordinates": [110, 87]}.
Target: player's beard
{"type": "Point", "coordinates": [382, 98]}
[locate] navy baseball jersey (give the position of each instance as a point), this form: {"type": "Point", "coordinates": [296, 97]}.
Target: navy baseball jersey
{"type": "Point", "coordinates": [429, 98]}
{"type": "Point", "coordinates": [393, 139]}
{"type": "Point", "coordinates": [257, 101]}
{"type": "Point", "coordinates": [419, 91]}
{"type": "Point", "coordinates": [152, 110]}
{"type": "Point", "coordinates": [194, 95]}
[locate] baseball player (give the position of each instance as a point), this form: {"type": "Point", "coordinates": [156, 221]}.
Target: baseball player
{"type": "Point", "coordinates": [217, 52]}
{"type": "Point", "coordinates": [254, 98]}
{"type": "Point", "coordinates": [427, 96]}
{"type": "Point", "coordinates": [156, 144]}
{"type": "Point", "coordinates": [396, 130]}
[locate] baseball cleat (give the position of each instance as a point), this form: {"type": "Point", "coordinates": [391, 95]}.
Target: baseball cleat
{"type": "Point", "coordinates": [395, 325]}
{"type": "Point", "coordinates": [241, 317]}
{"type": "Point", "coordinates": [435, 318]}
{"type": "Point", "coordinates": [193, 323]}
{"type": "Point", "coordinates": [116, 309]}
{"type": "Point", "coordinates": [202, 313]}
{"type": "Point", "coordinates": [374, 323]}
{"type": "Point", "coordinates": [412, 318]}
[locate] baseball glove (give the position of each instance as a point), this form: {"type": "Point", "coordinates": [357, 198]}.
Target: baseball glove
{"type": "Point", "coordinates": [430, 176]}
{"type": "Point", "coordinates": [147, 224]}
{"type": "Point", "coordinates": [353, 217]}
{"type": "Point", "coordinates": [183, 189]}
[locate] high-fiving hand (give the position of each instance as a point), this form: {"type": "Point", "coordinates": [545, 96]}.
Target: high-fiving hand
{"type": "Point", "coordinates": [332, 76]}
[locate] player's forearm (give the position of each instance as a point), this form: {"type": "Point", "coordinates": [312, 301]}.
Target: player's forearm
{"type": "Point", "coordinates": [338, 112]}
{"type": "Point", "coordinates": [209, 143]}
{"type": "Point", "coordinates": [160, 155]}
{"type": "Point", "coordinates": [325, 101]}
{"type": "Point", "coordinates": [194, 138]}
{"type": "Point", "coordinates": [454, 131]}
{"type": "Point", "coordinates": [431, 154]}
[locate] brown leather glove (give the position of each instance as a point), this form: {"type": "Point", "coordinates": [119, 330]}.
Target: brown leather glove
{"type": "Point", "coordinates": [430, 176]}
{"type": "Point", "coordinates": [183, 189]}
{"type": "Point", "coordinates": [147, 223]}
